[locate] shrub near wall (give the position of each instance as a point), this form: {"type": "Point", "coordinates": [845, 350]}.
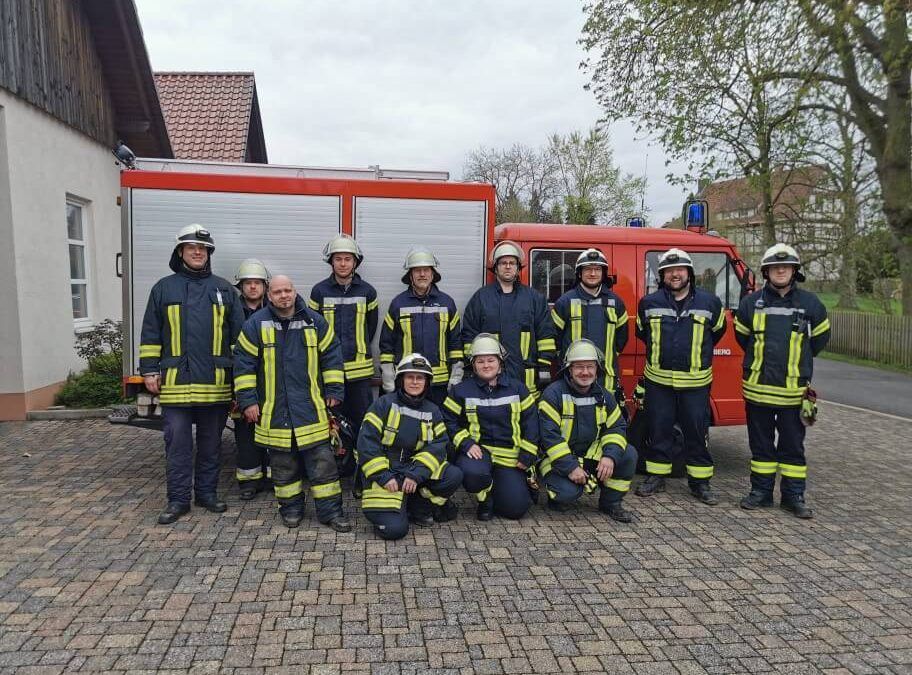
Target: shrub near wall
{"type": "Point", "coordinates": [100, 384]}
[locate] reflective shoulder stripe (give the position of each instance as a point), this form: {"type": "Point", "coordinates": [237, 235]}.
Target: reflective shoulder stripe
{"type": "Point", "coordinates": [372, 305]}
{"type": "Point", "coordinates": [389, 321]}
{"type": "Point", "coordinates": [345, 300]}
{"type": "Point", "coordinates": [780, 311]}
{"type": "Point", "coordinates": [549, 410]}
{"type": "Point", "coordinates": [659, 311]}
{"type": "Point", "coordinates": [622, 319]}
{"type": "Point", "coordinates": [247, 345]}
{"type": "Point", "coordinates": [821, 328]}
{"type": "Point", "coordinates": [556, 318]}
{"type": "Point", "coordinates": [705, 313]}
{"type": "Point", "coordinates": [741, 328]}
{"type": "Point", "coordinates": [720, 323]}
{"type": "Point", "coordinates": [613, 417]}
{"type": "Point", "coordinates": [578, 400]}
{"type": "Point", "coordinates": [328, 337]}
{"type": "Point", "coordinates": [372, 419]}
{"type": "Point", "coordinates": [313, 304]}
{"type": "Point", "coordinates": [491, 402]}
{"type": "Point", "coordinates": [452, 406]}
{"type": "Point", "coordinates": [527, 402]}
{"type": "Point", "coordinates": [411, 412]}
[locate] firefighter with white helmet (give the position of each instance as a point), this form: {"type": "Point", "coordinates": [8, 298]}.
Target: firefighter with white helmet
{"type": "Point", "coordinates": [402, 451]}
{"type": "Point", "coordinates": [583, 436]}
{"type": "Point", "coordinates": [679, 324]}
{"type": "Point", "coordinates": [191, 320]}
{"type": "Point", "coordinates": [424, 319]}
{"type": "Point", "coordinates": [591, 310]}
{"type": "Point", "coordinates": [252, 469]}
{"type": "Point", "coordinates": [349, 304]}
{"type": "Point", "coordinates": [781, 328]}
{"type": "Point", "coordinates": [492, 422]}
{"type": "Point", "coordinates": [516, 313]}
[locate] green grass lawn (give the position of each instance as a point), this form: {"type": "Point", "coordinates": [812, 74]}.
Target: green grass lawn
{"type": "Point", "coordinates": [866, 303]}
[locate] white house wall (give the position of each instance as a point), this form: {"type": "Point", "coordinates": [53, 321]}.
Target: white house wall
{"type": "Point", "coordinates": [48, 162]}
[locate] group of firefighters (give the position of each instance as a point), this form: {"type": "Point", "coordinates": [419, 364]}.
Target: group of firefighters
{"type": "Point", "coordinates": [460, 403]}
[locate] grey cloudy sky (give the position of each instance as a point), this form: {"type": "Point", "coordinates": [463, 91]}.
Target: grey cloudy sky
{"type": "Point", "coordinates": [403, 84]}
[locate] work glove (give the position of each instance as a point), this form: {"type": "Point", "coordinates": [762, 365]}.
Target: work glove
{"type": "Point", "coordinates": [639, 395]}
{"type": "Point", "coordinates": [809, 407]}
{"type": "Point", "coordinates": [456, 372]}
{"type": "Point", "coordinates": [388, 377]}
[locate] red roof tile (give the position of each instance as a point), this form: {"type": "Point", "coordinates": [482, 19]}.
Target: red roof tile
{"type": "Point", "coordinates": [210, 115]}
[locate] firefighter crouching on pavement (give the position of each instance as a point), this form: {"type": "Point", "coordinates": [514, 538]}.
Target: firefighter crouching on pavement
{"type": "Point", "coordinates": [422, 319]}
{"type": "Point", "coordinates": [516, 314]}
{"type": "Point", "coordinates": [781, 329]}
{"type": "Point", "coordinates": [402, 453]}
{"type": "Point", "coordinates": [191, 321]}
{"type": "Point", "coordinates": [591, 310]}
{"type": "Point", "coordinates": [252, 470]}
{"type": "Point", "coordinates": [492, 421]}
{"type": "Point", "coordinates": [349, 305]}
{"type": "Point", "coordinates": [583, 436]}
{"type": "Point", "coordinates": [680, 324]}
{"type": "Point", "coordinates": [288, 371]}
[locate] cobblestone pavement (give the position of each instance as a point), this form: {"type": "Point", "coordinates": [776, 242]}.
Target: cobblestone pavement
{"type": "Point", "coordinates": [88, 581]}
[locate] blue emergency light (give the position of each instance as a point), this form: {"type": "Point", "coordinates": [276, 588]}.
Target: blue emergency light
{"type": "Point", "coordinates": [636, 222]}
{"type": "Point", "coordinates": [695, 215]}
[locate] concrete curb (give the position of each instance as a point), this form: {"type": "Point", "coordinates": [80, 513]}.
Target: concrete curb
{"type": "Point", "coordinates": [68, 414]}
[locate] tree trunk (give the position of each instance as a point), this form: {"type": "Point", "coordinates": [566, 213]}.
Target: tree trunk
{"type": "Point", "coordinates": [904, 251]}
{"type": "Point", "coordinates": [848, 273]}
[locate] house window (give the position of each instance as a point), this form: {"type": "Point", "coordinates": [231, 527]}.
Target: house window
{"type": "Point", "coordinates": [77, 241]}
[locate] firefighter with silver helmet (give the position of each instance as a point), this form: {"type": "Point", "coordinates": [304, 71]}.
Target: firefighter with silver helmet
{"type": "Point", "coordinates": [591, 310]}
{"type": "Point", "coordinates": [251, 280]}
{"type": "Point", "coordinates": [583, 436]}
{"type": "Point", "coordinates": [679, 324]}
{"type": "Point", "coordinates": [349, 305]}
{"type": "Point", "coordinates": [516, 314]}
{"type": "Point", "coordinates": [493, 424]}
{"type": "Point", "coordinates": [191, 320]}
{"type": "Point", "coordinates": [402, 451]}
{"type": "Point", "coordinates": [422, 319]}
{"type": "Point", "coordinates": [781, 328]}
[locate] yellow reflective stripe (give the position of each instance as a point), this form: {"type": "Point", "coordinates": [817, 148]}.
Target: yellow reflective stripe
{"type": "Point", "coordinates": [439, 429]}
{"type": "Point", "coordinates": [527, 402]}
{"type": "Point", "coordinates": [429, 461]}
{"type": "Point", "coordinates": [149, 351]}
{"type": "Point", "coordinates": [796, 340]}
{"type": "Point", "coordinates": [655, 336]}
{"type": "Point", "coordinates": [720, 322]}
{"type": "Point", "coordinates": [610, 328]}
{"type": "Point", "coordinates": [327, 338]}
{"type": "Point", "coordinates": [379, 498]}
{"type": "Point", "coordinates": [699, 472]}
{"type": "Point", "coordinates": [174, 322]}
{"type": "Point", "coordinates": [611, 419]}
{"type": "Point", "coordinates": [503, 456]}
{"type": "Point", "coordinates": [793, 470]}
{"type": "Point", "coordinates": [568, 413]}
{"type": "Point", "coordinates": [405, 323]}
{"type": "Point", "coordinates": [528, 446]}
{"type": "Point", "coordinates": [326, 490]}
{"type": "Point", "coordinates": [471, 413]}
{"type": "Point", "coordinates": [313, 371]}
{"type": "Point", "coordinates": [740, 327]}
{"type": "Point", "coordinates": [452, 406]}
{"type": "Point", "coordinates": [515, 412]}
{"type": "Point", "coordinates": [357, 368]}
{"type": "Point", "coordinates": [460, 436]}
{"type": "Point", "coordinates": [289, 491]}
{"type": "Point", "coordinates": [375, 465]}
{"type": "Point", "coordinates": [696, 347]}
{"type": "Point", "coordinates": [360, 329]}
{"type": "Point", "coordinates": [530, 379]}
{"type": "Point", "coordinates": [576, 320]}
{"type": "Point", "coordinates": [386, 358]}
{"type": "Point", "coordinates": [374, 420]}
{"type": "Point", "coordinates": [247, 345]}
{"type": "Point", "coordinates": [248, 474]}
{"type": "Point", "coordinates": [525, 340]}
{"type": "Point", "coordinates": [678, 379]}
{"type": "Point", "coordinates": [558, 321]}
{"type": "Point", "coordinates": [759, 343]}
{"type": "Point", "coordinates": [772, 395]}
{"type": "Point", "coordinates": [821, 328]}
{"type": "Point", "coordinates": [763, 467]}
{"type": "Point", "coordinates": [618, 484]}
{"type": "Point", "coordinates": [333, 377]}
{"type": "Point", "coordinates": [245, 382]}
{"type": "Point", "coordinates": [557, 451]}
{"type": "Point", "coordinates": [454, 321]}
{"type": "Point", "coordinates": [546, 345]}
{"type": "Point", "coordinates": [267, 339]}
{"type": "Point", "coordinates": [218, 323]}
{"type": "Point", "coordinates": [391, 428]}
{"type": "Point", "coordinates": [658, 468]}
{"type": "Point", "coordinates": [622, 319]}
{"type": "Point", "coordinates": [388, 320]}
{"type": "Point", "coordinates": [443, 324]}
{"type": "Point", "coordinates": [170, 377]}
{"type": "Point", "coordinates": [549, 410]}
{"type": "Point", "coordinates": [372, 305]}
{"type": "Point", "coordinates": [431, 497]}
{"type": "Point", "coordinates": [466, 348]}
{"type": "Point", "coordinates": [614, 439]}
{"type": "Point", "coordinates": [313, 304]}
{"type": "Point", "coordinates": [456, 354]}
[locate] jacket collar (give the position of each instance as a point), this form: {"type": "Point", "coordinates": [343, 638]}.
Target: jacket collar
{"type": "Point", "coordinates": [300, 311]}
{"type": "Point", "coordinates": [356, 281]}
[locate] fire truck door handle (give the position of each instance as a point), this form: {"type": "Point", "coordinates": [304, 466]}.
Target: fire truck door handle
{"type": "Point", "coordinates": [118, 265]}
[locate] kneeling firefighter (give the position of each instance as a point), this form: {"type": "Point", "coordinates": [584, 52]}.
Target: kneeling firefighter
{"type": "Point", "coordinates": [583, 436]}
{"type": "Point", "coordinates": [402, 450]}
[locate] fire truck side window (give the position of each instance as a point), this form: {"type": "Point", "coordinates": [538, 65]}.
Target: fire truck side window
{"type": "Point", "coordinates": [551, 272]}
{"type": "Point", "coordinates": [714, 273]}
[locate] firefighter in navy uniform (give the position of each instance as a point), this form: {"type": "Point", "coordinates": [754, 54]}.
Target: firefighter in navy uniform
{"type": "Point", "coordinates": [252, 469]}
{"type": "Point", "coordinates": [402, 451]}
{"type": "Point", "coordinates": [191, 320]}
{"type": "Point", "coordinates": [781, 328]}
{"type": "Point", "coordinates": [680, 324]}
{"type": "Point", "coordinates": [492, 422]}
{"type": "Point", "coordinates": [422, 319]}
{"type": "Point", "coordinates": [288, 372]}
{"type": "Point", "coordinates": [349, 305]}
{"type": "Point", "coordinates": [516, 314]}
{"type": "Point", "coordinates": [591, 310]}
{"type": "Point", "coordinates": [583, 436]}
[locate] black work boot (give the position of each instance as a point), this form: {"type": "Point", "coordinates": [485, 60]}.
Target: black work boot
{"type": "Point", "coordinates": [291, 516]}
{"type": "Point", "coordinates": [757, 499]}
{"type": "Point", "coordinates": [249, 490]}
{"type": "Point", "coordinates": [419, 511]}
{"type": "Point", "coordinates": [213, 504]}
{"type": "Point", "coordinates": [797, 506]}
{"type": "Point", "coordinates": [560, 507]}
{"type": "Point", "coordinates": [616, 511]}
{"type": "Point", "coordinates": [446, 512]}
{"type": "Point", "coordinates": [172, 512]}
{"type": "Point", "coordinates": [339, 524]}
{"type": "Point", "coordinates": [651, 486]}
{"type": "Point", "coordinates": [702, 492]}
{"type": "Point", "coordinates": [486, 508]}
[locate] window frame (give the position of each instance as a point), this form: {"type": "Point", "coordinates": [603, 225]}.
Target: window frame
{"type": "Point", "coordinates": [533, 251]}
{"type": "Point", "coordinates": [81, 324]}
{"type": "Point", "coordinates": [731, 273]}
